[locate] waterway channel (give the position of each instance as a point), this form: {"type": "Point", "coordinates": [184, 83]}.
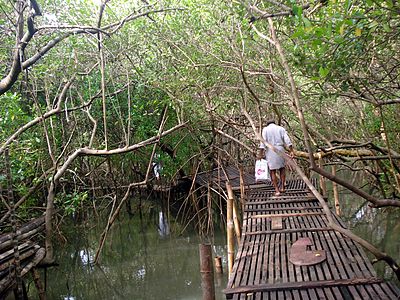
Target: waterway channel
{"type": "Point", "coordinates": [144, 259]}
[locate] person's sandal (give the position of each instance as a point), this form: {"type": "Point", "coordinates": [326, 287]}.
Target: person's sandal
{"type": "Point", "coordinates": [277, 194]}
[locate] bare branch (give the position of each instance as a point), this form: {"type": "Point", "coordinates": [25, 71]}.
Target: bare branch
{"type": "Point", "coordinates": [99, 152]}
{"type": "Point", "coordinates": [234, 139]}
{"type": "Point", "coordinates": [16, 67]}
{"type": "Point", "coordinates": [39, 119]}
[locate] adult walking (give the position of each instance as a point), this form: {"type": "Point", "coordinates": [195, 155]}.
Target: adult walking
{"type": "Point", "coordinates": [277, 137]}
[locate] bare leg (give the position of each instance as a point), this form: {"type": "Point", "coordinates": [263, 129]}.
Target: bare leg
{"type": "Point", "coordinates": [274, 181]}
{"type": "Point", "coordinates": [282, 175]}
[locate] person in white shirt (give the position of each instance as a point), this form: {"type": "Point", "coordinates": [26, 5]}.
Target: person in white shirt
{"type": "Point", "coordinates": [277, 137]}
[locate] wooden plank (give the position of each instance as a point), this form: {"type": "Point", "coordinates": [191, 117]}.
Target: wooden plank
{"type": "Point", "coordinates": [302, 285]}
{"type": "Point", "coordinates": [325, 273]}
{"type": "Point", "coordinates": [254, 260]}
{"type": "Point", "coordinates": [240, 262]}
{"type": "Point", "coordinates": [356, 263]}
{"type": "Point", "coordinates": [302, 222]}
{"type": "Point", "coordinates": [271, 260]}
{"type": "Point", "coordinates": [257, 209]}
{"type": "Point", "coordinates": [289, 230]}
{"type": "Point", "coordinates": [281, 201]}
{"type": "Point", "coordinates": [387, 290]}
{"type": "Point", "coordinates": [335, 269]}
{"type": "Point", "coordinates": [10, 253]}
{"type": "Point", "coordinates": [27, 252]}
{"type": "Point", "coordinates": [276, 223]}
{"type": "Point", "coordinates": [340, 260]}
{"type": "Point", "coordinates": [268, 241]}
{"type": "Point", "coordinates": [290, 268]}
{"type": "Point", "coordinates": [316, 271]}
{"type": "Point", "coordinates": [295, 272]}
{"type": "Point", "coordinates": [288, 215]}
{"type": "Point", "coordinates": [258, 278]}
{"type": "Point", "coordinates": [284, 257]}
{"type": "Point", "coordinates": [237, 271]}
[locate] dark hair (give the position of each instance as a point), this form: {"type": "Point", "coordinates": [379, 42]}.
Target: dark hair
{"type": "Point", "coordinates": [270, 121]}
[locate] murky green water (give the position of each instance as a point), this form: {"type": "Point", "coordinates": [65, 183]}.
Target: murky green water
{"type": "Point", "coordinates": [140, 261]}
{"type": "Point", "coordinates": [380, 227]}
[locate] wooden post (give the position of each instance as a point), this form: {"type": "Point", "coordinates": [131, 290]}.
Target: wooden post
{"type": "Point", "coordinates": [242, 192]}
{"type": "Point", "coordinates": [229, 228]}
{"type": "Point", "coordinates": [336, 192]}
{"type": "Point", "coordinates": [218, 265]}
{"type": "Point", "coordinates": [322, 182]}
{"type": "Point", "coordinates": [236, 223]}
{"type": "Point", "coordinates": [38, 284]}
{"type": "Point", "coordinates": [206, 270]}
{"type": "Point", "coordinates": [209, 209]}
{"type": "Point", "coordinates": [218, 271]}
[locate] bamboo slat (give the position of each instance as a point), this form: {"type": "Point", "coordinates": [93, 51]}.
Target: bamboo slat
{"type": "Point", "coordinates": [262, 269]}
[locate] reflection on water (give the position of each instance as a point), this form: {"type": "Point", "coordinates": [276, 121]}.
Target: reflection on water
{"type": "Point", "coordinates": [141, 260]}
{"type": "Point", "coordinates": [87, 256]}
{"type": "Point", "coordinates": [163, 225]}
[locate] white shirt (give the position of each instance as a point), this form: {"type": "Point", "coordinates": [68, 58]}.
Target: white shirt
{"type": "Point", "coordinates": [276, 136]}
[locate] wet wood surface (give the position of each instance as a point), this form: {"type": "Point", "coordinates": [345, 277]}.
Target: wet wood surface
{"type": "Point", "coordinates": [263, 268]}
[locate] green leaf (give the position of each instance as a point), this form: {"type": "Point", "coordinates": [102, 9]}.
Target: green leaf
{"type": "Point", "coordinates": [297, 10]}
{"type": "Point", "coordinates": [386, 27]}
{"type": "Point", "coordinates": [341, 29]}
{"type": "Point", "coordinates": [307, 22]}
{"type": "Point", "coordinates": [348, 5]}
{"type": "Point", "coordinates": [298, 33]}
{"type": "Point", "coordinates": [323, 72]}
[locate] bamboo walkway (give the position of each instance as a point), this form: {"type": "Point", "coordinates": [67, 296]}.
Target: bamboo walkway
{"type": "Point", "coordinates": [24, 248]}
{"type": "Point", "coordinates": [271, 225]}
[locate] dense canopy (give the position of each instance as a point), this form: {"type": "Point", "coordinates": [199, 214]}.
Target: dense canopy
{"type": "Point", "coordinates": [93, 92]}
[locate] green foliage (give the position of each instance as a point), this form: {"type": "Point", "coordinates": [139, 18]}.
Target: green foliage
{"type": "Point", "coordinates": [70, 203]}
{"type": "Point", "coordinates": [12, 113]}
{"type": "Point", "coordinates": [189, 60]}
{"type": "Point", "coordinates": [23, 155]}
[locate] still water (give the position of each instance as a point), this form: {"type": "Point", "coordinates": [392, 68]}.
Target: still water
{"type": "Point", "coordinates": [146, 259]}
{"type": "Point", "coordinates": [141, 260]}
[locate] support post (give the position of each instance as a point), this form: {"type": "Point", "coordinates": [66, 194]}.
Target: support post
{"type": "Point", "coordinates": [236, 223]}
{"type": "Point", "coordinates": [242, 192]}
{"type": "Point", "coordinates": [206, 270]}
{"type": "Point", "coordinates": [229, 228]}
{"type": "Point", "coordinates": [322, 182]}
{"type": "Point", "coordinates": [38, 284]}
{"type": "Point", "coordinates": [218, 265]}
{"type": "Point", "coordinates": [336, 193]}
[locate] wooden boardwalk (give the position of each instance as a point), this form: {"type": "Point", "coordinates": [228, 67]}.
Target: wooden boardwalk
{"type": "Point", "coordinates": [271, 225]}
{"type": "Point", "coordinates": [29, 255]}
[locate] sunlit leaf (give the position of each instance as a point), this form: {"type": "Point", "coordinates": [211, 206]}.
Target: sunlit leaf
{"type": "Point", "coordinates": [341, 30]}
